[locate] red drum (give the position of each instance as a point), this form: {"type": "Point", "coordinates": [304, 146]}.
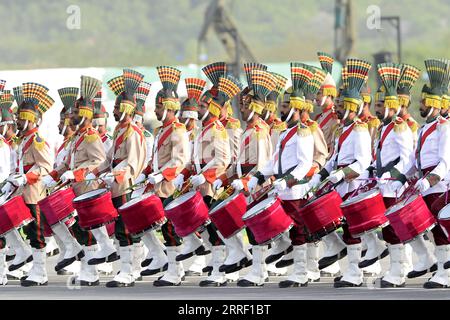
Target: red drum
{"type": "Point", "coordinates": [95, 208]}
{"type": "Point", "coordinates": [444, 220]}
{"type": "Point", "coordinates": [143, 213]}
{"type": "Point", "coordinates": [48, 232]}
{"type": "Point", "coordinates": [227, 215]}
{"type": "Point", "coordinates": [58, 207]}
{"type": "Point", "coordinates": [111, 228]}
{"type": "Point", "coordinates": [267, 220]}
{"type": "Point", "coordinates": [14, 214]}
{"type": "Point", "coordinates": [323, 215]}
{"type": "Point", "coordinates": [411, 218]}
{"type": "Point", "coordinates": [188, 213]}
{"type": "Point", "coordinates": [365, 212]}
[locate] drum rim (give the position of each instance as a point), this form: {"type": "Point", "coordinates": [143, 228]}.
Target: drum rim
{"type": "Point", "coordinates": [348, 202]}
{"type": "Point", "coordinates": [78, 199]}
{"type": "Point", "coordinates": [307, 204]}
{"type": "Point", "coordinates": [136, 200]}
{"type": "Point", "coordinates": [442, 210]}
{"type": "Point", "coordinates": [277, 236]}
{"type": "Point", "coordinates": [422, 233]}
{"type": "Point", "coordinates": [247, 216]}
{"type": "Point", "coordinates": [357, 235]}
{"type": "Point", "coordinates": [223, 203]}
{"type": "Point", "coordinates": [400, 205]}
{"type": "Point", "coordinates": [170, 206]}
{"type": "Point", "coordinates": [10, 199]}
{"type": "Point", "coordinates": [154, 226]}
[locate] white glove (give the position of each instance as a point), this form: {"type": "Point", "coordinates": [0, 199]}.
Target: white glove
{"type": "Point", "coordinates": [237, 185]}
{"type": "Point", "coordinates": [68, 175]}
{"type": "Point", "coordinates": [336, 176]}
{"type": "Point", "coordinates": [396, 186]}
{"type": "Point", "coordinates": [7, 188]}
{"type": "Point", "coordinates": [303, 189]}
{"type": "Point", "coordinates": [384, 178]}
{"type": "Point", "coordinates": [90, 176]}
{"type": "Point", "coordinates": [140, 178]}
{"type": "Point", "coordinates": [198, 180]}
{"type": "Point", "coordinates": [423, 185]}
{"type": "Point", "coordinates": [18, 180]}
{"type": "Point", "coordinates": [155, 178]}
{"type": "Point", "coordinates": [48, 181]}
{"type": "Point", "coordinates": [315, 180]}
{"type": "Point", "coordinates": [178, 181]}
{"type": "Point", "coordinates": [280, 184]}
{"type": "Point", "coordinates": [217, 184]}
{"type": "Point", "coordinates": [107, 177]}
{"type": "Point", "coordinates": [252, 183]}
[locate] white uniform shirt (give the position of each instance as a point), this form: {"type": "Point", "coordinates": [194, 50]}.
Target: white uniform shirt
{"type": "Point", "coordinates": [5, 155]}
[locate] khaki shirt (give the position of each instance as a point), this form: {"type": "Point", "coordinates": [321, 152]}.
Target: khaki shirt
{"type": "Point", "coordinates": [126, 157]}
{"type": "Point", "coordinates": [35, 161]}
{"type": "Point", "coordinates": [170, 155]}
{"type": "Point", "coordinates": [211, 149]}
{"type": "Point", "coordinates": [86, 153]}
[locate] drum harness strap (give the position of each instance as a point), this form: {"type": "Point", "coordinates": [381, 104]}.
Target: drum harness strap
{"type": "Point", "coordinates": [341, 140]}
{"type": "Point", "coordinates": [422, 137]}
{"type": "Point", "coordinates": [288, 136]}
{"type": "Point", "coordinates": [388, 167]}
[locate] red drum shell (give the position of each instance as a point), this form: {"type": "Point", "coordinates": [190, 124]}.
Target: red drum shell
{"type": "Point", "coordinates": [188, 212]}
{"type": "Point", "coordinates": [410, 219]}
{"type": "Point", "coordinates": [365, 212]}
{"type": "Point", "coordinates": [143, 213]}
{"type": "Point", "coordinates": [267, 220]}
{"type": "Point", "coordinates": [57, 206]}
{"type": "Point", "coordinates": [95, 208]}
{"type": "Point", "coordinates": [14, 214]}
{"type": "Point", "coordinates": [227, 216]}
{"type": "Point", "coordinates": [69, 222]}
{"type": "Point", "coordinates": [444, 220]}
{"type": "Point", "coordinates": [323, 215]}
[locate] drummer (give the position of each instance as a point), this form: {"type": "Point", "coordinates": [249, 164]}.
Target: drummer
{"type": "Point", "coordinates": [34, 162]}
{"type": "Point", "coordinates": [212, 155]}
{"type": "Point", "coordinates": [100, 120]}
{"type": "Point", "coordinates": [351, 156]}
{"type": "Point", "coordinates": [170, 155]}
{"type": "Point", "coordinates": [289, 163]}
{"type": "Point", "coordinates": [86, 154]}
{"type": "Point", "coordinates": [392, 156]}
{"type": "Point", "coordinates": [6, 100]}
{"type": "Point", "coordinates": [192, 244]}
{"type": "Point", "coordinates": [124, 162]}
{"type": "Point", "coordinates": [431, 162]}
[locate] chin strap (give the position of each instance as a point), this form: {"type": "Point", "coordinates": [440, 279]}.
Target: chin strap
{"type": "Point", "coordinates": [81, 122]}
{"type": "Point", "coordinates": [360, 109]}
{"type": "Point", "coordinates": [398, 111]}
{"type": "Point", "coordinates": [346, 114]}
{"type": "Point", "coordinates": [429, 112]}
{"type": "Point", "coordinates": [250, 116]}
{"type": "Point", "coordinates": [164, 115]}
{"type": "Point", "coordinates": [291, 112]}
{"type": "Point", "coordinates": [204, 116]}
{"type": "Point", "coordinates": [386, 113]}
{"type": "Point", "coordinates": [322, 101]}
{"type": "Point", "coordinates": [63, 130]}
{"type": "Point", "coordinates": [267, 116]}
{"type": "Point", "coordinates": [186, 122]}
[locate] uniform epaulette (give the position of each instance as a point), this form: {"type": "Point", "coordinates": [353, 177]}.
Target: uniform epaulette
{"type": "Point", "coordinates": [233, 123]}
{"type": "Point", "coordinates": [303, 130]}
{"type": "Point", "coordinates": [400, 125]}
{"type": "Point", "coordinates": [279, 125]}
{"type": "Point", "coordinates": [373, 122]}
{"type": "Point", "coordinates": [38, 142]}
{"type": "Point", "coordinates": [313, 125]}
{"type": "Point", "coordinates": [360, 126]}
{"type": "Point", "coordinates": [219, 131]}
{"type": "Point", "coordinates": [443, 123]}
{"type": "Point", "coordinates": [91, 135]}
{"type": "Point", "coordinates": [412, 124]}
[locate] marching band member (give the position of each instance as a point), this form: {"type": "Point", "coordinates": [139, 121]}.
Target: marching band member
{"type": "Point", "coordinates": [6, 100]}
{"type": "Point", "coordinates": [212, 156]}
{"type": "Point", "coordinates": [291, 161]}
{"type": "Point", "coordinates": [124, 162]}
{"type": "Point", "coordinates": [170, 155]}
{"type": "Point", "coordinates": [350, 158]}
{"type": "Point", "coordinates": [34, 163]}
{"type": "Point", "coordinates": [431, 161]}
{"type": "Point", "coordinates": [392, 154]}
{"type": "Point", "coordinates": [192, 244]}
{"type": "Point", "coordinates": [327, 118]}
{"type": "Point", "coordinates": [100, 120]}
{"type": "Point", "coordinates": [86, 154]}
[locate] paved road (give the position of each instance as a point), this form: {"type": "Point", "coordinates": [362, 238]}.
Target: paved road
{"type": "Point", "coordinates": [58, 288]}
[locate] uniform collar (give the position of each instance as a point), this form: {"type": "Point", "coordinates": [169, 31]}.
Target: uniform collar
{"type": "Point", "coordinates": [30, 132]}
{"type": "Point", "coordinates": [168, 123]}
{"type": "Point", "coordinates": [328, 107]}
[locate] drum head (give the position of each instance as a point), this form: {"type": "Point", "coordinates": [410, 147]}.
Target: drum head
{"type": "Point", "coordinates": [224, 203]}
{"type": "Point", "coordinates": [135, 200]}
{"type": "Point", "coordinates": [259, 207]}
{"type": "Point", "coordinates": [362, 196]}
{"type": "Point", "coordinates": [181, 199]}
{"type": "Point", "coordinates": [444, 214]}
{"type": "Point", "coordinates": [400, 205]}
{"type": "Point", "coordinates": [90, 195]}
